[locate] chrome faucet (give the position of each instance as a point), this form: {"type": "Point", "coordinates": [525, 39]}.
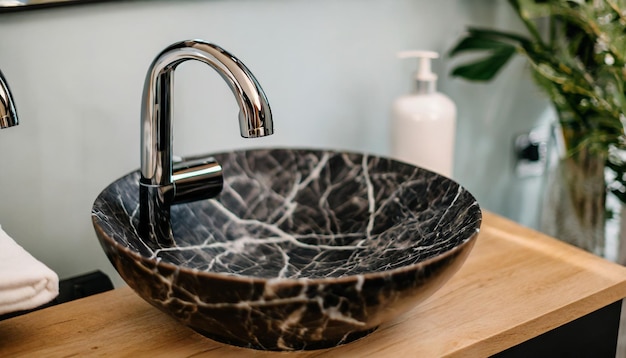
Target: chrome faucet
{"type": "Point", "coordinates": [8, 114]}
{"type": "Point", "coordinates": [164, 183]}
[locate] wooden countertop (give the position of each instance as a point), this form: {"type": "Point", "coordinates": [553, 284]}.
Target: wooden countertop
{"type": "Point", "coordinates": [515, 285]}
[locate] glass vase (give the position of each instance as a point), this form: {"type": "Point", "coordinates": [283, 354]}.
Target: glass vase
{"type": "Point", "coordinates": [574, 208]}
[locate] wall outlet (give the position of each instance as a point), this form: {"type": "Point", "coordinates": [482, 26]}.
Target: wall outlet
{"type": "Point", "coordinates": [531, 152]}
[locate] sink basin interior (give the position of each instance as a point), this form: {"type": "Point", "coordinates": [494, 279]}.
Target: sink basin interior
{"type": "Point", "coordinates": [295, 214]}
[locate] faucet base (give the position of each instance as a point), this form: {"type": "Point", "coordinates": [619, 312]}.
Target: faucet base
{"type": "Point", "coordinates": [154, 215]}
{"type": "Point", "coordinates": [194, 179]}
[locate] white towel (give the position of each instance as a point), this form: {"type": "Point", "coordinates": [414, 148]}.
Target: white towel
{"type": "Point", "coordinates": [25, 282]}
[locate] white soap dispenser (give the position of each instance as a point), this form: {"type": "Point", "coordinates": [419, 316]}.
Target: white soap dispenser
{"type": "Point", "coordinates": [424, 122]}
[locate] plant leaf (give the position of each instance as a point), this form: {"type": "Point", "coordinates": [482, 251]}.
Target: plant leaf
{"type": "Point", "coordinates": [496, 34]}
{"type": "Point", "coordinates": [480, 39]}
{"type": "Point", "coordinates": [486, 68]}
{"type": "Point", "coordinates": [468, 44]}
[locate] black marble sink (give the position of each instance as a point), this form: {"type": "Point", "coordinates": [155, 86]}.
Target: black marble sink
{"type": "Point", "coordinates": [303, 249]}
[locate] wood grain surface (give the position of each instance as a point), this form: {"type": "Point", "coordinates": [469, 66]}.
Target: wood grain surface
{"type": "Point", "coordinates": [515, 285]}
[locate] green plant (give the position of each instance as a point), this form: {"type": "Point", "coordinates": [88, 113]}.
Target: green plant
{"type": "Point", "coordinates": [576, 50]}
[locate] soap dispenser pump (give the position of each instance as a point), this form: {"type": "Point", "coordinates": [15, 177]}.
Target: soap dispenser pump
{"type": "Point", "coordinates": [424, 121]}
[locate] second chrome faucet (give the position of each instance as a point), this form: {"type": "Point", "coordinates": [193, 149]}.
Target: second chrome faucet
{"type": "Point", "coordinates": [8, 114]}
{"type": "Point", "coordinates": [164, 183]}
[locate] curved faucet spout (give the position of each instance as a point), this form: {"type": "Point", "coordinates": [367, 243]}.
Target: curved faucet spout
{"type": "Point", "coordinates": [255, 118]}
{"type": "Point", "coordinates": [163, 184]}
{"type": "Point", "coordinates": [8, 114]}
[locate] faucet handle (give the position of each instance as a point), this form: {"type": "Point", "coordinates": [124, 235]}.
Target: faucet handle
{"type": "Point", "coordinates": [196, 179]}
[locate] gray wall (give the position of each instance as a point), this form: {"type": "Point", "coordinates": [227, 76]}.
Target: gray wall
{"type": "Point", "coordinates": [328, 68]}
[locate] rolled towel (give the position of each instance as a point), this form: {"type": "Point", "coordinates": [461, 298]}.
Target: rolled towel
{"type": "Point", "coordinates": [25, 282]}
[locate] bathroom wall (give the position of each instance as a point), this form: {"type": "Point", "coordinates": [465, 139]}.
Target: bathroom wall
{"type": "Point", "coordinates": [328, 68]}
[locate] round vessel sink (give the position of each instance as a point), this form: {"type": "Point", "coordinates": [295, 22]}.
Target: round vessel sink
{"type": "Point", "coordinates": [303, 249]}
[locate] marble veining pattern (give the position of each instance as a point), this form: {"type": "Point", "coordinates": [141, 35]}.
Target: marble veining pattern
{"type": "Point", "coordinates": [311, 243]}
